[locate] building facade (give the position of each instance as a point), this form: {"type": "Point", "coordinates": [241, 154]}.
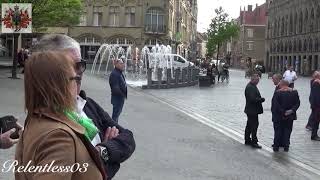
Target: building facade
{"type": "Point", "coordinates": [251, 40]}
{"type": "Point", "coordinates": [138, 23]}
{"type": "Point", "coordinates": [202, 40]}
{"type": "Point", "coordinates": [293, 35]}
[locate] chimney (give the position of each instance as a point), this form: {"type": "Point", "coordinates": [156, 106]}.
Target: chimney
{"type": "Point", "coordinates": [250, 8]}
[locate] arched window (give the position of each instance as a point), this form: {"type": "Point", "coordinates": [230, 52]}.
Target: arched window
{"type": "Point", "coordinates": [89, 39]}
{"type": "Point", "coordinates": [153, 42]}
{"type": "Point", "coordinates": [121, 41]}
{"type": "Point", "coordinates": [305, 46]}
{"type": "Point", "coordinates": [310, 48]}
{"type": "Point", "coordinates": [155, 21]}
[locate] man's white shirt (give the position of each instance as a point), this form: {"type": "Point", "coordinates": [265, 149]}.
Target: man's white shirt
{"type": "Point", "coordinates": [80, 105]}
{"type": "Point", "coordinates": [290, 76]}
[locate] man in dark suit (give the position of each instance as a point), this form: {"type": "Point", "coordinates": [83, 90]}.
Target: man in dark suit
{"type": "Point", "coordinates": [310, 120]}
{"type": "Point", "coordinates": [276, 78]}
{"type": "Point", "coordinates": [315, 106]}
{"type": "Point", "coordinates": [118, 87]}
{"type": "Point", "coordinates": [285, 104]}
{"type": "Point", "coordinates": [253, 109]}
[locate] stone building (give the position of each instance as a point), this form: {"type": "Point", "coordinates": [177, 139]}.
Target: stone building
{"type": "Point", "coordinates": [293, 35]}
{"type": "Point", "coordinates": [202, 40]}
{"type": "Point", "coordinates": [251, 39]}
{"type": "Point", "coordinates": [138, 23]}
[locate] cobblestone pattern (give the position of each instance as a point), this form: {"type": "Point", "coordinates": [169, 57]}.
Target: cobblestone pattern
{"type": "Point", "coordinates": [224, 104]}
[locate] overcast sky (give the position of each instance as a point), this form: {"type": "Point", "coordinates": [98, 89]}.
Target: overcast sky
{"type": "Point", "coordinates": [232, 7]}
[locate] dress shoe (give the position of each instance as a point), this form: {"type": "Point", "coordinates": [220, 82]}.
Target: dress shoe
{"type": "Point", "coordinates": [256, 146]}
{"type": "Point", "coordinates": [286, 149]}
{"type": "Point", "coordinates": [247, 143]}
{"type": "Point", "coordinates": [315, 138]}
{"type": "Point", "coordinates": [275, 149]}
{"type": "Point", "coordinates": [309, 128]}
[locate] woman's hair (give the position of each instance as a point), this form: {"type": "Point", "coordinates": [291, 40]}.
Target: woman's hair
{"type": "Point", "coordinates": [47, 82]}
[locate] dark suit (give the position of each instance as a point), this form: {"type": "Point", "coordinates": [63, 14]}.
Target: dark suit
{"type": "Point", "coordinates": [253, 109]}
{"type": "Point", "coordinates": [315, 106]}
{"type": "Point", "coordinates": [119, 148]}
{"type": "Point", "coordinates": [283, 101]}
{"type": "Point", "coordinates": [119, 92]}
{"type": "Point", "coordinates": [310, 120]}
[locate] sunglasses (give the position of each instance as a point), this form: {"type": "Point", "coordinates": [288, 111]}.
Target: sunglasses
{"type": "Point", "coordinates": [81, 66]}
{"type": "Point", "coordinates": [75, 78]}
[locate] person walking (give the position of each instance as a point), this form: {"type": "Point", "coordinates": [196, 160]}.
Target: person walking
{"type": "Point", "coordinates": [310, 120]}
{"type": "Point", "coordinates": [284, 107]}
{"type": "Point", "coordinates": [253, 108]}
{"type": "Point", "coordinates": [290, 75]}
{"type": "Point", "coordinates": [118, 87]}
{"type": "Point", "coordinates": [315, 106]}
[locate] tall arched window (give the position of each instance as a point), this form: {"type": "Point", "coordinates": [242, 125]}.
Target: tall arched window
{"type": "Point", "coordinates": [121, 41]}
{"type": "Point", "coordinates": [155, 21]}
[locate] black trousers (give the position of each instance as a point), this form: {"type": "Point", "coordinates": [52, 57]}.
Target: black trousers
{"type": "Point", "coordinates": [310, 120]}
{"type": "Point", "coordinates": [251, 128]}
{"type": "Point", "coordinates": [282, 133]}
{"type": "Point", "coordinates": [315, 124]}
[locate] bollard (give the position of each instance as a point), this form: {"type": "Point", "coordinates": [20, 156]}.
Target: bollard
{"type": "Point", "coordinates": [168, 78]}
{"type": "Point", "coordinates": [149, 74]}
{"type": "Point", "coordinates": [159, 77]}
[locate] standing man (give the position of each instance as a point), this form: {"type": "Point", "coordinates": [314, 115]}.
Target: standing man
{"type": "Point", "coordinates": [276, 78]}
{"type": "Point", "coordinates": [119, 90]}
{"type": "Point", "coordinates": [290, 76]}
{"type": "Point", "coordinates": [253, 109]}
{"type": "Point", "coordinates": [315, 106]}
{"type": "Point", "coordinates": [285, 104]}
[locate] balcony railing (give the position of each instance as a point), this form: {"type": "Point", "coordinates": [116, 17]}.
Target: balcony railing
{"type": "Point", "coordinates": [155, 29]}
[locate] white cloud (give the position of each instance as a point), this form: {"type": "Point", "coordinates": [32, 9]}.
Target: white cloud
{"type": "Point", "coordinates": [232, 7]}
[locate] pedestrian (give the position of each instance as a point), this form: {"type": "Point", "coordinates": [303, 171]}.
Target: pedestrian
{"type": "Point", "coordinates": [290, 76]}
{"type": "Point", "coordinates": [276, 78]}
{"type": "Point", "coordinates": [253, 108]}
{"type": "Point", "coordinates": [118, 87]}
{"type": "Point", "coordinates": [54, 132]}
{"type": "Point", "coordinates": [315, 106]}
{"type": "Point", "coordinates": [309, 124]}
{"type": "Point", "coordinates": [114, 143]}
{"type": "Point", "coordinates": [285, 105]}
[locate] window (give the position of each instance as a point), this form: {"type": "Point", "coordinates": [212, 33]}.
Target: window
{"type": "Point", "coordinates": [114, 12]}
{"type": "Point", "coordinates": [83, 20]}
{"type": "Point", "coordinates": [178, 59]}
{"type": "Point", "coordinates": [130, 16]}
{"type": "Point", "coordinates": [121, 41]}
{"type": "Point", "coordinates": [250, 33]}
{"type": "Point", "coordinates": [155, 20]}
{"type": "Point", "coordinates": [153, 42]}
{"type": "Point", "coordinates": [97, 15]}
{"type": "Point", "coordinates": [250, 45]}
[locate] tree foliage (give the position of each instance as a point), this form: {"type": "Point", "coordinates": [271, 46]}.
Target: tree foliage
{"type": "Point", "coordinates": [53, 13]}
{"type": "Point", "coordinates": [221, 30]}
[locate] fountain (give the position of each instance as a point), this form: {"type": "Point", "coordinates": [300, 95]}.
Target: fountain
{"type": "Point", "coordinates": [146, 68]}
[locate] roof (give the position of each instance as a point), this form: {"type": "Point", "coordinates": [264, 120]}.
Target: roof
{"type": "Point", "coordinates": [255, 17]}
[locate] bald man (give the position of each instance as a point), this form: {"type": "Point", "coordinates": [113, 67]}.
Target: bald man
{"type": "Point", "coordinates": [253, 109]}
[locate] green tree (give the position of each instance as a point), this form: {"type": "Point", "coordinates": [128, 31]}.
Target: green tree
{"type": "Point", "coordinates": [221, 30]}
{"type": "Point", "coordinates": [49, 13]}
